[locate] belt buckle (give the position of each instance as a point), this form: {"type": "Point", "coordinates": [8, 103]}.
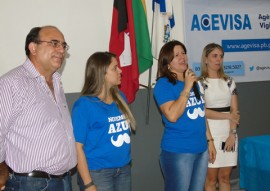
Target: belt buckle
{"type": "Point", "coordinates": [31, 174]}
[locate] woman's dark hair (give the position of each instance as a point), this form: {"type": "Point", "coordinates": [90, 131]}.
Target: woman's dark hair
{"type": "Point", "coordinates": [166, 55]}
{"type": "Point", "coordinates": [33, 36]}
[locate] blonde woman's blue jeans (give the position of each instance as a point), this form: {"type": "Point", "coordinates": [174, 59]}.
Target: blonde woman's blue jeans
{"type": "Point", "coordinates": [111, 179]}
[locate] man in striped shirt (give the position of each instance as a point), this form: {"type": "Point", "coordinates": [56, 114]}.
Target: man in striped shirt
{"type": "Point", "coordinates": [36, 137]}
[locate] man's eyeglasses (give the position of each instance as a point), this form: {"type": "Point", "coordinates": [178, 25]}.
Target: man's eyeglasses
{"type": "Point", "coordinates": [55, 44]}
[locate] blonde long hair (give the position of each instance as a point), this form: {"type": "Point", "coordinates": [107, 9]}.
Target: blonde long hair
{"type": "Point", "coordinates": [96, 68]}
{"type": "Point", "coordinates": [206, 51]}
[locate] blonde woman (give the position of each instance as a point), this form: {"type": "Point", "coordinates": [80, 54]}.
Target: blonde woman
{"type": "Point", "coordinates": [102, 125]}
{"type": "Point", "coordinates": [221, 101]}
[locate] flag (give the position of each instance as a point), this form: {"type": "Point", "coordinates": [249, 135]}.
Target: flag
{"type": "Point", "coordinates": [143, 44]}
{"type": "Point", "coordinates": [122, 43]}
{"type": "Point", "coordinates": [163, 24]}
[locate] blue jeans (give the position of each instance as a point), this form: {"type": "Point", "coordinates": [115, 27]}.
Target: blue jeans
{"type": "Point", "coordinates": [24, 183]}
{"type": "Point", "coordinates": [184, 171]}
{"type": "Point", "coordinates": [112, 179]}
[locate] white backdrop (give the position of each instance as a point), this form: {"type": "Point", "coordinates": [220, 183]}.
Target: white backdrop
{"type": "Point", "coordinates": [86, 25]}
{"type": "Point", "coordinates": [76, 19]}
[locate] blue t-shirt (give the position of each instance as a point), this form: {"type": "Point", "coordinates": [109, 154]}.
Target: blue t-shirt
{"type": "Point", "coordinates": [188, 133]}
{"type": "Point", "coordinates": [104, 132]}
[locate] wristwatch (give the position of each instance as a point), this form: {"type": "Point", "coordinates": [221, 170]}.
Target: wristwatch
{"type": "Point", "coordinates": [233, 131]}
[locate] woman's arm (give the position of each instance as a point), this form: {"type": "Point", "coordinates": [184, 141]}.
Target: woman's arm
{"type": "Point", "coordinates": [174, 109]}
{"type": "Point", "coordinates": [230, 142]}
{"type": "Point", "coordinates": [83, 167]}
{"type": "Point", "coordinates": [211, 147]}
{"type": "Point", "coordinates": [234, 112]}
{"type": "Point", "coordinates": [233, 115]}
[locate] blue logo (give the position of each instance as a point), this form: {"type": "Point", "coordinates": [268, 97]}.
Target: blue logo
{"type": "Point", "coordinates": [217, 22]}
{"type": "Point", "coordinates": [251, 68]}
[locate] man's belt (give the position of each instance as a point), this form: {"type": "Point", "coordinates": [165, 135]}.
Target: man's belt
{"type": "Point", "coordinates": [41, 174]}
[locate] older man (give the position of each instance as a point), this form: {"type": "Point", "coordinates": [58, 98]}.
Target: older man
{"type": "Point", "coordinates": [36, 136]}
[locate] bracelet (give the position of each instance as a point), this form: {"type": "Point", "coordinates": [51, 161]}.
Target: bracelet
{"type": "Point", "coordinates": [89, 185]}
{"type": "Point", "coordinates": [208, 140]}
{"type": "Point", "coordinates": [184, 94]}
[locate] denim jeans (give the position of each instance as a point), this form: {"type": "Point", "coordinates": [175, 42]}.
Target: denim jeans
{"type": "Point", "coordinates": [112, 179]}
{"type": "Point", "coordinates": [24, 183]}
{"type": "Point", "coordinates": [184, 171]}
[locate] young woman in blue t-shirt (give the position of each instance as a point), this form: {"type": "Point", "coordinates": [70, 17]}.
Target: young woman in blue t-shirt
{"type": "Point", "coordinates": [102, 121]}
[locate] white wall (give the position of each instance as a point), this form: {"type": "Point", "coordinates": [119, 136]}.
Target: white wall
{"type": "Point", "coordinates": [86, 25]}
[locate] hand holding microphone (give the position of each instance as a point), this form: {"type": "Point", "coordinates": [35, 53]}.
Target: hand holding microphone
{"type": "Point", "coordinates": [191, 74]}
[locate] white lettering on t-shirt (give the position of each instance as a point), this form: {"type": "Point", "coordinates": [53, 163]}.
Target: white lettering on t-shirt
{"type": "Point", "coordinates": [117, 118]}
{"type": "Point", "coordinates": [118, 127]}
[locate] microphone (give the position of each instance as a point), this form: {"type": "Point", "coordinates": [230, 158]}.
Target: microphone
{"type": "Point", "coordinates": [196, 91]}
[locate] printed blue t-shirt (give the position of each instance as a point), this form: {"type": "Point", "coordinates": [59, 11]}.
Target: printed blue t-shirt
{"type": "Point", "coordinates": [104, 132]}
{"type": "Point", "coordinates": [188, 133]}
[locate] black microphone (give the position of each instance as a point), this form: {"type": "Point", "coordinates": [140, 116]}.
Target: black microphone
{"type": "Point", "coordinates": [196, 91]}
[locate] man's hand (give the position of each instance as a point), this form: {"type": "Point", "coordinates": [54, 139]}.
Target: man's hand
{"type": "Point", "coordinates": [3, 175]}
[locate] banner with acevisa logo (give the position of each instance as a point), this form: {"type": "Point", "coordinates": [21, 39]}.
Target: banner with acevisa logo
{"type": "Point", "coordinates": [241, 27]}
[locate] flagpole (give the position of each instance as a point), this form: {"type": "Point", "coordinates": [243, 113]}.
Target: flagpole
{"type": "Point", "coordinates": [149, 88]}
{"type": "Point", "coordinates": [149, 82]}
{"type": "Point", "coordinates": [148, 96]}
